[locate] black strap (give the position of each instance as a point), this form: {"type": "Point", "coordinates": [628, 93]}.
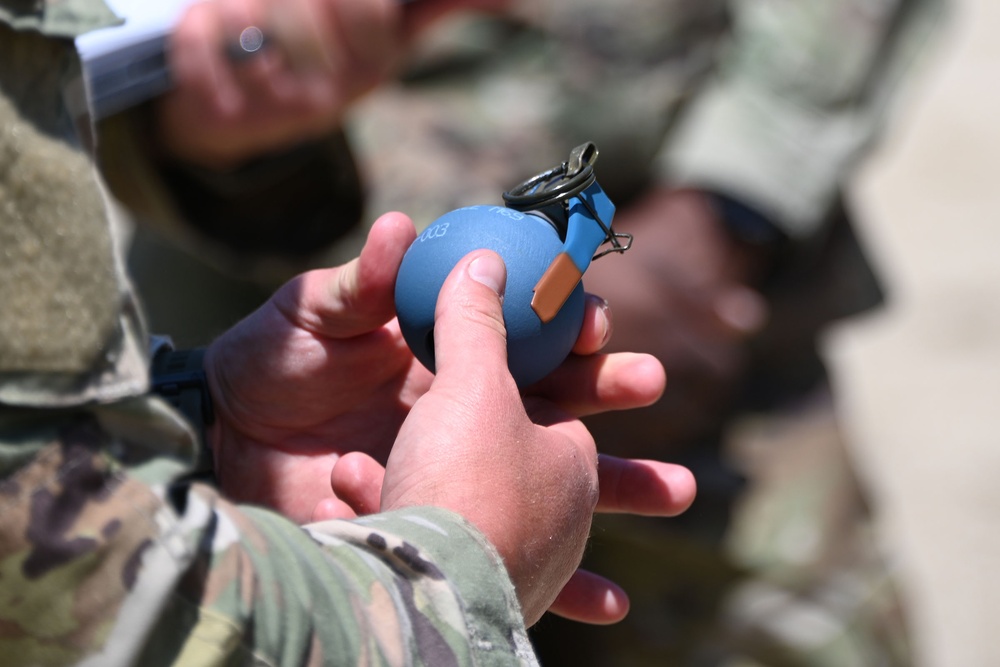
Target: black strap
{"type": "Point", "coordinates": [178, 376]}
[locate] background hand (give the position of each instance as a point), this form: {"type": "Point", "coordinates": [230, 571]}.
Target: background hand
{"type": "Point", "coordinates": [683, 294]}
{"type": "Point", "coordinates": [319, 57]}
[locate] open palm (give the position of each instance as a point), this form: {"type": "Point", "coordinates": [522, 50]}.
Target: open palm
{"type": "Point", "coordinates": [319, 370]}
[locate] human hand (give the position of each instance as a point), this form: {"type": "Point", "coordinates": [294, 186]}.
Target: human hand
{"type": "Point", "coordinates": [683, 294]}
{"type": "Point", "coordinates": [522, 469]}
{"type": "Point", "coordinates": [632, 486]}
{"type": "Point", "coordinates": [319, 370]}
{"type": "Point", "coordinates": [319, 57]}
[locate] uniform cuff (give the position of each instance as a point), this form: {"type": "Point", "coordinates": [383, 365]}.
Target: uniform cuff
{"type": "Point", "coordinates": [464, 557]}
{"type": "Point", "coordinates": [782, 159]}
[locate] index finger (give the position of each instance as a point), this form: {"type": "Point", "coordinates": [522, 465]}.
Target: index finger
{"type": "Point", "coordinates": [198, 67]}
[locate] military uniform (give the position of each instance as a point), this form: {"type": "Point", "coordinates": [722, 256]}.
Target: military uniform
{"type": "Point", "coordinates": [768, 104]}
{"type": "Point", "coordinates": [109, 553]}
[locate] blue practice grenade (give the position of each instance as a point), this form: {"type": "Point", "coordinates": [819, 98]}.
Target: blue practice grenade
{"type": "Point", "coordinates": [547, 234]}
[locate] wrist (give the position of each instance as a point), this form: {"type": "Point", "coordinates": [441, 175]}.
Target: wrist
{"type": "Point", "coordinates": [756, 238]}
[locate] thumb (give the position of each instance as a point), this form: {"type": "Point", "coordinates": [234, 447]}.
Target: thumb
{"type": "Point", "coordinates": [470, 339]}
{"type": "Point", "coordinates": [357, 297]}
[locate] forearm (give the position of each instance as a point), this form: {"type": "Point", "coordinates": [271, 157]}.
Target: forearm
{"type": "Point", "coordinates": [798, 99]}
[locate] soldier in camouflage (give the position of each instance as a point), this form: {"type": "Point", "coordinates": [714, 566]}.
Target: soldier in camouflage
{"type": "Point", "coordinates": [729, 130]}
{"type": "Point", "coordinates": [111, 553]}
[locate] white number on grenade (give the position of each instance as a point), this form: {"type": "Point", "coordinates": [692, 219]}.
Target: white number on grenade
{"type": "Point", "coordinates": [434, 232]}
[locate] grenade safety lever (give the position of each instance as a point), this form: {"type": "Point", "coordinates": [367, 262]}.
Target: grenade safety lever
{"type": "Point", "coordinates": [570, 197]}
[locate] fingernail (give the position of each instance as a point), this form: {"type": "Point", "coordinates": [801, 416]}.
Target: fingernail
{"type": "Point", "coordinates": [605, 309]}
{"type": "Point", "coordinates": [489, 270]}
{"type": "Point", "coordinates": [608, 324]}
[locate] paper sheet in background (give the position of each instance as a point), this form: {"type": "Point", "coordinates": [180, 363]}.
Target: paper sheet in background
{"type": "Point", "coordinates": [126, 64]}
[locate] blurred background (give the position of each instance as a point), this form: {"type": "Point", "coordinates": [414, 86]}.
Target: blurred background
{"type": "Point", "coordinates": [919, 383]}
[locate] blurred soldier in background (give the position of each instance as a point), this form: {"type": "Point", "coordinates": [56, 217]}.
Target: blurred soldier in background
{"type": "Point", "coordinates": [119, 544]}
{"type": "Point", "coordinates": [728, 131]}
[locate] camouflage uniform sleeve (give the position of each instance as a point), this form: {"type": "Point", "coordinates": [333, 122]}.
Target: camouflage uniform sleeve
{"type": "Point", "coordinates": [70, 331]}
{"type": "Point", "coordinates": [801, 92]}
{"type": "Point", "coordinates": [108, 560]}
{"type": "Point", "coordinates": [109, 555]}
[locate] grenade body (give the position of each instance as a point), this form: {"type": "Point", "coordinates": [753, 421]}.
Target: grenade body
{"type": "Point", "coordinates": [528, 244]}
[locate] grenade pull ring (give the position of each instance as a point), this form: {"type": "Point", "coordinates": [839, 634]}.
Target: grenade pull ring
{"type": "Point", "coordinates": [571, 199]}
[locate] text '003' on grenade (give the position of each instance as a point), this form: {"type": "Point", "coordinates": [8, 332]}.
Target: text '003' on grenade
{"type": "Point", "coordinates": [547, 234]}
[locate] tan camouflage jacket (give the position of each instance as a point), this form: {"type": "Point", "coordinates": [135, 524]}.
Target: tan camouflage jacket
{"type": "Point", "coordinates": [107, 555]}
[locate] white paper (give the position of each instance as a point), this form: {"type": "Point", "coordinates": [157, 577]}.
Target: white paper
{"type": "Point", "coordinates": [125, 65]}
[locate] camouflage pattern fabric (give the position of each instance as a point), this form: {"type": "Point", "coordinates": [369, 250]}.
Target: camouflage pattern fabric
{"type": "Point", "coordinates": [57, 18]}
{"type": "Point", "coordinates": [109, 555]}
{"type": "Point", "coordinates": [70, 333]}
{"type": "Point", "coordinates": [106, 562]}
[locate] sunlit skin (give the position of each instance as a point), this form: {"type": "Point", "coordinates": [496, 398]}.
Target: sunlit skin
{"type": "Point", "coordinates": [322, 412]}
{"type": "Point", "coordinates": [315, 390]}
{"type": "Point", "coordinates": [698, 306]}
